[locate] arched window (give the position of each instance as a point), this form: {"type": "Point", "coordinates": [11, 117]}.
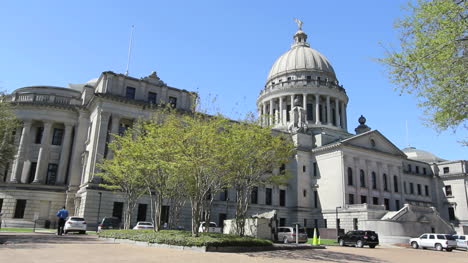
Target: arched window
{"type": "Point", "coordinates": [374, 180]}
{"type": "Point", "coordinates": [350, 176]}
{"type": "Point", "coordinates": [362, 178]}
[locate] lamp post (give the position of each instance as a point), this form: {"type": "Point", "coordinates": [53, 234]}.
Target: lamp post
{"type": "Point", "coordinates": [99, 210]}
{"type": "Point", "coordinates": [337, 222]}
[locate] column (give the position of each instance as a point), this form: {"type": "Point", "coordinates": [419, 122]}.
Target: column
{"type": "Point", "coordinates": [281, 110]}
{"type": "Point", "coordinates": [99, 141]}
{"type": "Point", "coordinates": [43, 158]}
{"type": "Point", "coordinates": [292, 106]}
{"type": "Point", "coordinates": [344, 121]}
{"type": "Point", "coordinates": [337, 113]}
{"type": "Point", "coordinates": [115, 124]}
{"type": "Point", "coordinates": [64, 154]}
{"type": "Point", "coordinates": [317, 109]}
{"type": "Point", "coordinates": [328, 111]}
{"type": "Point", "coordinates": [19, 157]}
{"type": "Point", "coordinates": [264, 121]}
{"type": "Point", "coordinates": [270, 122]}
{"type": "Point", "coordinates": [76, 166]}
{"type": "Point", "coordinates": [304, 104]}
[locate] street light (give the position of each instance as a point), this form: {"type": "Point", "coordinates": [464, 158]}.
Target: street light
{"type": "Point", "coordinates": [99, 210]}
{"type": "Point", "coordinates": [337, 222]}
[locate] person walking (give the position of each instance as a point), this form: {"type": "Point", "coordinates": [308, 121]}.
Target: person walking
{"type": "Point", "coordinates": [62, 214]}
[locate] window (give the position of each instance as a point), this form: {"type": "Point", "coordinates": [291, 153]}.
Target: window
{"type": "Point", "coordinates": [254, 195]}
{"type": "Point", "coordinates": [130, 93]}
{"type": "Point", "coordinates": [451, 213]}
{"type": "Point", "coordinates": [315, 199]}
{"type": "Point", "coordinates": [221, 218]}
{"type": "Point", "coordinates": [303, 168]}
{"type": "Point", "coordinates": [310, 112]}
{"type": "Point", "coordinates": [282, 222]}
{"type": "Point", "coordinates": [315, 168]}
{"type": "Point", "coordinates": [385, 182]}
{"type": "Point", "coordinates": [409, 168]}
{"type": "Point", "coordinates": [446, 170]}
{"type": "Point", "coordinates": [325, 223]}
{"type": "Point", "coordinates": [363, 199]}
{"type": "Point", "coordinates": [165, 214]}
{"type": "Point", "coordinates": [117, 210]}
{"type": "Point", "coordinates": [141, 215]}
{"type": "Point", "coordinates": [39, 133]}
{"type": "Point", "coordinates": [417, 169]}
{"type": "Point", "coordinates": [419, 189]}
{"type": "Point", "coordinates": [431, 237]}
{"type": "Point", "coordinates": [374, 180]}
{"type": "Point", "coordinates": [1, 204]}
{"type": "Point", "coordinates": [362, 178]}
{"type": "Point", "coordinates": [57, 137]}
{"type": "Point", "coordinates": [32, 172]}
{"type": "Point", "coordinates": [397, 204]}
{"type": "Point", "coordinates": [282, 169]}
{"type": "Point", "coordinates": [289, 78]}
{"type": "Point", "coordinates": [173, 102]}
{"type": "Point", "coordinates": [288, 109]}
{"type": "Point", "coordinates": [426, 189]}
{"type": "Point", "coordinates": [350, 176]}
{"type": "Point", "coordinates": [387, 203]}
{"type": "Point", "coordinates": [423, 237]}
{"type": "Point", "coordinates": [268, 193]}
{"type": "Point", "coordinates": [395, 183]}
{"type": "Point", "coordinates": [448, 190]}
{"type": "Point", "coordinates": [424, 171]}
{"type": "Point", "coordinates": [282, 200]}
{"type": "Point", "coordinates": [309, 77]}
{"type": "Point", "coordinates": [355, 223]}
{"type": "Point", "coordinates": [152, 97]}
{"type": "Point", "coordinates": [51, 174]}
{"type": "Point", "coordinates": [305, 222]}
{"type": "Point", "coordinates": [316, 223]}
{"type": "Point", "coordinates": [411, 188]}
{"type": "Point", "coordinates": [304, 193]}
{"type": "Point", "coordinates": [5, 174]}
{"type": "Point", "coordinates": [19, 209]}
{"type": "Point", "coordinates": [375, 200]}
{"type": "Point", "coordinates": [404, 187]}
{"type": "Point", "coordinates": [351, 199]}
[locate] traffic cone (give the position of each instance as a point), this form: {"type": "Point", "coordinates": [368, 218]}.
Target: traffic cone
{"type": "Point", "coordinates": [314, 239]}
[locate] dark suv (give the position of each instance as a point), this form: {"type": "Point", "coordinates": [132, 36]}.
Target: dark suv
{"type": "Point", "coordinates": [109, 223]}
{"type": "Point", "coordinates": [359, 238]}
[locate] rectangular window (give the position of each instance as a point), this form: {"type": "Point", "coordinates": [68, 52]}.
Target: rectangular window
{"type": "Point", "coordinates": [221, 218]}
{"type": "Point", "coordinates": [32, 172]}
{"type": "Point", "coordinates": [351, 199]}
{"type": "Point", "coordinates": [411, 188]}
{"type": "Point", "coordinates": [282, 200]}
{"type": "Point", "coordinates": [57, 137]}
{"type": "Point", "coordinates": [397, 204]}
{"type": "Point", "coordinates": [426, 189]}
{"type": "Point", "coordinates": [310, 112]}
{"type": "Point", "coordinates": [173, 102]}
{"type": "Point", "coordinates": [304, 168]}
{"type": "Point", "coordinates": [362, 178]}
{"type": "Point", "coordinates": [395, 183]}
{"type": "Point", "coordinates": [417, 169]}
{"type": "Point", "coordinates": [404, 187]}
{"type": "Point", "coordinates": [355, 223]}
{"type": "Point", "coordinates": [375, 200]}
{"type": "Point", "coordinates": [363, 199]}
{"type": "Point", "coordinates": [446, 170]}
{"type": "Point", "coordinates": [1, 205]}
{"type": "Point", "coordinates": [374, 180]}
{"type": "Point", "coordinates": [448, 190]}
{"type": "Point", "coordinates": [130, 93]}
{"type": "Point", "coordinates": [315, 199]}
{"type": "Point", "coordinates": [305, 222]}
{"type": "Point", "coordinates": [451, 213]}
{"type": "Point", "coordinates": [316, 223]}
{"type": "Point", "coordinates": [315, 168]}
{"type": "Point", "coordinates": [39, 133]}
{"type": "Point", "coordinates": [409, 168]}
{"type": "Point", "coordinates": [419, 189]}
{"type": "Point", "coordinates": [223, 196]}
{"type": "Point", "coordinates": [385, 182]}
{"type": "Point", "coordinates": [282, 169]}
{"type": "Point", "coordinates": [387, 203]}
{"type": "Point", "coordinates": [325, 223]}
{"type": "Point", "coordinates": [117, 210]}
{"type": "Point", "coordinates": [19, 209]}
{"type": "Point", "coordinates": [152, 97]}
{"type": "Point", "coordinates": [141, 215]}
{"type": "Point", "coordinates": [282, 222]}
{"type": "Point", "coordinates": [254, 195]}
{"type": "Point", "coordinates": [288, 109]}
{"type": "Point", "coordinates": [51, 174]}
{"type": "Point", "coordinates": [268, 195]}
{"type": "Point", "coordinates": [424, 171]}
{"type": "Point", "coordinates": [350, 176]}
{"type": "Point", "coordinates": [165, 214]}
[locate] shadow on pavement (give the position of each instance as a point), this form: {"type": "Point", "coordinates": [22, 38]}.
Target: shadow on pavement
{"type": "Point", "coordinates": [315, 254]}
{"type": "Point", "coordinates": [35, 240]}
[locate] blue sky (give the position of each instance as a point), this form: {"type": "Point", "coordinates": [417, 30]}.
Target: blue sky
{"type": "Point", "coordinates": [221, 49]}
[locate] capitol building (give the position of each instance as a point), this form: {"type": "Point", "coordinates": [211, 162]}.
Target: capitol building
{"type": "Point", "coordinates": [344, 174]}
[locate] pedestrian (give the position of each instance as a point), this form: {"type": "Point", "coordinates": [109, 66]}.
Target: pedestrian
{"type": "Point", "coordinates": [62, 214]}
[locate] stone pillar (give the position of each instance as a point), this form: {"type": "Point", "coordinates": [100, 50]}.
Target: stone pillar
{"type": "Point", "coordinates": [76, 166]}
{"type": "Point", "coordinates": [317, 109]}
{"type": "Point", "coordinates": [270, 122]}
{"type": "Point", "coordinates": [281, 110]}
{"type": "Point", "coordinates": [344, 121]}
{"type": "Point", "coordinates": [292, 106]}
{"type": "Point", "coordinates": [337, 113]}
{"type": "Point", "coordinates": [328, 111]}
{"type": "Point", "coordinates": [115, 124]}
{"type": "Point", "coordinates": [304, 104]}
{"type": "Point", "coordinates": [99, 144]}
{"type": "Point", "coordinates": [264, 121]}
{"type": "Point", "coordinates": [17, 167]}
{"type": "Point", "coordinates": [64, 154]}
{"type": "Point", "coordinates": [43, 158]}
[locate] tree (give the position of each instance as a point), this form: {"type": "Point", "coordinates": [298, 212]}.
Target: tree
{"type": "Point", "coordinates": [122, 173]}
{"type": "Point", "coordinates": [255, 154]}
{"type": "Point", "coordinates": [432, 60]}
{"type": "Point", "coordinates": [8, 125]}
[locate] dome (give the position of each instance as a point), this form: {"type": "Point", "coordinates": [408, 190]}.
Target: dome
{"type": "Point", "coordinates": [301, 58]}
{"type": "Point", "coordinates": [420, 155]}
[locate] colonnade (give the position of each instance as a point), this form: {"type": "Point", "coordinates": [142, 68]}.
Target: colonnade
{"type": "Point", "coordinates": [326, 110]}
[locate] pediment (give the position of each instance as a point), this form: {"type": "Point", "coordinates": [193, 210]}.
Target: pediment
{"type": "Point", "coordinates": [374, 140]}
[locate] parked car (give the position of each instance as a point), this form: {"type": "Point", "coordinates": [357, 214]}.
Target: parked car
{"type": "Point", "coordinates": [462, 241]}
{"type": "Point", "coordinates": [287, 234]}
{"type": "Point", "coordinates": [359, 238]}
{"type": "Point", "coordinates": [437, 241]}
{"type": "Point", "coordinates": [109, 223]}
{"type": "Point", "coordinates": [75, 224]}
{"type": "Point", "coordinates": [144, 225]}
{"type": "Point", "coordinates": [212, 228]}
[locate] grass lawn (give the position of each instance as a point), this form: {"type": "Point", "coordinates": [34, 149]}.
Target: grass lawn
{"type": "Point", "coordinates": [324, 241]}
{"type": "Point", "coordinates": [184, 238]}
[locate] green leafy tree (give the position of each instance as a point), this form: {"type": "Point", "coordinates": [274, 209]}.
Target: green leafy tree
{"type": "Point", "coordinates": [432, 60]}
{"type": "Point", "coordinates": [8, 125]}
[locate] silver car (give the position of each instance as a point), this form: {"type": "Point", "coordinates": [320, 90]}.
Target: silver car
{"type": "Point", "coordinates": [287, 234]}
{"type": "Point", "coordinates": [462, 241]}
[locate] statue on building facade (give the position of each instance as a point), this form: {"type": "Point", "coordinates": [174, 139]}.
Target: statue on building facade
{"type": "Point", "coordinates": [299, 23]}
{"type": "Point", "coordinates": [298, 118]}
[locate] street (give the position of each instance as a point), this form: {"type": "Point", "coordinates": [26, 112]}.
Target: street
{"type": "Point", "coordinates": [49, 248]}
